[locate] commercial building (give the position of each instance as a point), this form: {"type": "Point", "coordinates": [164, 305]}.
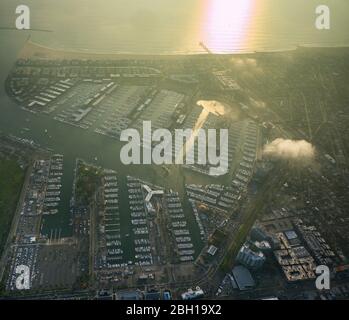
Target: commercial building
{"type": "Point", "coordinates": [243, 278]}
{"type": "Point", "coordinates": [250, 259]}
{"type": "Point", "coordinates": [193, 294]}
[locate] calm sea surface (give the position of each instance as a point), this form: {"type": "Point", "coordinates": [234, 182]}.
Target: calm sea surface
{"type": "Point", "coordinates": [177, 26]}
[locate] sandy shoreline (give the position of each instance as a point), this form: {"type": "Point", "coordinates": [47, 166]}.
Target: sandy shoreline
{"type": "Point", "coordinates": [35, 50]}
{"type": "Point", "coordinates": [38, 51]}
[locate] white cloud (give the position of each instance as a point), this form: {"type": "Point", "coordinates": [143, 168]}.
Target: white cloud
{"type": "Point", "coordinates": [290, 149]}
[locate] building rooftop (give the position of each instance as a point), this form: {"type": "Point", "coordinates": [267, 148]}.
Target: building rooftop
{"type": "Point", "coordinates": [129, 295]}
{"type": "Point", "coordinates": [290, 235]}
{"type": "Point", "coordinates": [243, 278]}
{"type": "Point", "coordinates": [212, 250]}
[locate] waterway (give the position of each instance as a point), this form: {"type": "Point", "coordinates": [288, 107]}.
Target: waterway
{"type": "Point", "coordinates": [76, 143]}
{"type": "Point", "coordinates": [144, 26]}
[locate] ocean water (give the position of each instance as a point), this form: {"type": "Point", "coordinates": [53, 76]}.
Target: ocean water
{"type": "Point", "coordinates": [178, 26]}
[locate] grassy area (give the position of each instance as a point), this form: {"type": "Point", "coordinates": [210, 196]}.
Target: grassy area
{"type": "Point", "coordinates": [272, 182]}
{"type": "Point", "coordinates": [88, 178]}
{"type": "Point", "coordinates": [251, 215]}
{"type": "Point", "coordinates": [229, 259]}
{"type": "Point", "coordinates": [11, 181]}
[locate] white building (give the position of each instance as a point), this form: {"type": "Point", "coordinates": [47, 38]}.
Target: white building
{"type": "Point", "coordinates": [249, 258]}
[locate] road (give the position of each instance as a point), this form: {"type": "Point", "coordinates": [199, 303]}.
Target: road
{"type": "Point", "coordinates": [242, 227]}
{"type": "Point", "coordinates": [15, 220]}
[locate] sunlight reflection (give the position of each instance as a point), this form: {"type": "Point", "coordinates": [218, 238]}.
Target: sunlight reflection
{"type": "Point", "coordinates": [227, 23]}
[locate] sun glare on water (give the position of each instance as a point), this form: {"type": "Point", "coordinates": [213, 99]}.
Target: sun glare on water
{"type": "Point", "coordinates": [226, 26]}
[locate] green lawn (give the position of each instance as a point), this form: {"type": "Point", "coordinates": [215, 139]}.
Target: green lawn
{"type": "Point", "coordinates": [11, 181]}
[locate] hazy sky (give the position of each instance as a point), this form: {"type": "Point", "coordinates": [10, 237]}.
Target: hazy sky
{"type": "Point", "coordinates": [178, 25]}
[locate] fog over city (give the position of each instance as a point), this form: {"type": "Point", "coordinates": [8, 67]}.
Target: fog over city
{"type": "Point", "coordinates": [174, 150]}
